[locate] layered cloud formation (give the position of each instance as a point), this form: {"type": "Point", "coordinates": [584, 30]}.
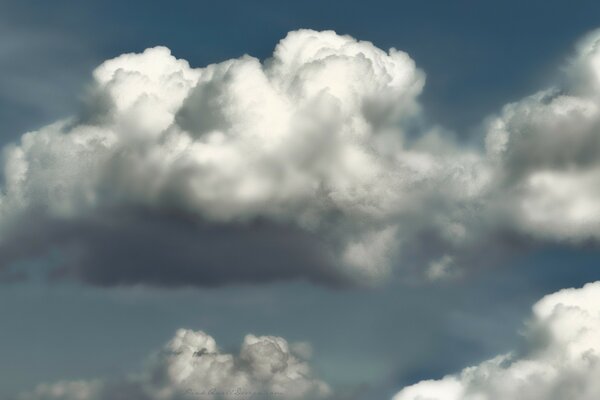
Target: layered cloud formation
{"type": "Point", "coordinates": [560, 361]}
{"type": "Point", "coordinates": [313, 164]}
{"type": "Point", "coordinates": [191, 366]}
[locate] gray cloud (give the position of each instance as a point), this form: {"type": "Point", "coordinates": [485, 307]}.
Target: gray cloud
{"type": "Point", "coordinates": [544, 150]}
{"type": "Point", "coordinates": [128, 247]}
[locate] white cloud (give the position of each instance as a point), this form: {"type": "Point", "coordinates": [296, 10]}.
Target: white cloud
{"type": "Point", "coordinates": [561, 359]}
{"type": "Point", "coordinates": [300, 166]}
{"type": "Point", "coordinates": [311, 141]}
{"type": "Point", "coordinates": [232, 140]}
{"type": "Point", "coordinates": [545, 151]}
{"type": "Point", "coordinates": [191, 366]}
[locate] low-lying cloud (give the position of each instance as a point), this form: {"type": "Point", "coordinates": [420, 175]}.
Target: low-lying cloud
{"type": "Point", "coordinates": [316, 164]}
{"type": "Point", "coordinates": [191, 366]}
{"type": "Point", "coordinates": [561, 359]}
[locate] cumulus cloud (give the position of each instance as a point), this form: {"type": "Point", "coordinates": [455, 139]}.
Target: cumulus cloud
{"type": "Point", "coordinates": [561, 359]}
{"type": "Point", "coordinates": [191, 366]}
{"type": "Point", "coordinates": [545, 152]}
{"type": "Point", "coordinates": [316, 163]}
{"type": "Point", "coordinates": [296, 167]}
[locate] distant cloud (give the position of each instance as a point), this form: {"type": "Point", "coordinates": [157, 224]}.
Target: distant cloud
{"type": "Point", "coordinates": [191, 366]}
{"type": "Point", "coordinates": [561, 359]}
{"type": "Point", "coordinates": [315, 164]}
{"type": "Point", "coordinates": [545, 150]}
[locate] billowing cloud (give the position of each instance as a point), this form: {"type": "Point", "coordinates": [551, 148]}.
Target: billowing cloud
{"type": "Point", "coordinates": [561, 358]}
{"type": "Point", "coordinates": [545, 150]}
{"type": "Point", "coordinates": [297, 167]}
{"type": "Point", "coordinates": [316, 164]}
{"type": "Point", "coordinates": [191, 366]}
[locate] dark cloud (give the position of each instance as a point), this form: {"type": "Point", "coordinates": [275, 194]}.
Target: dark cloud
{"type": "Point", "coordinates": [131, 247]}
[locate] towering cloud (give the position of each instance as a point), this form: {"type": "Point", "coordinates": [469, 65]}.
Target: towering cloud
{"type": "Point", "coordinates": [560, 361]}
{"type": "Point", "coordinates": [241, 171]}
{"type": "Point", "coordinates": [315, 164]}
{"type": "Point", "coordinates": [191, 366]}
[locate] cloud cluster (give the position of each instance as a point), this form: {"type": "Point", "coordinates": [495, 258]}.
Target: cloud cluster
{"type": "Point", "coordinates": [313, 164]}
{"type": "Point", "coordinates": [561, 359]}
{"type": "Point", "coordinates": [191, 366]}
{"type": "Point", "coordinates": [300, 166]}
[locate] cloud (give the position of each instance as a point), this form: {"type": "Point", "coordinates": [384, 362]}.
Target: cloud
{"type": "Point", "coordinates": [191, 366]}
{"type": "Point", "coordinates": [296, 167]}
{"type": "Point", "coordinates": [561, 358]}
{"type": "Point", "coordinates": [545, 152]}
{"type": "Point", "coordinates": [317, 163]}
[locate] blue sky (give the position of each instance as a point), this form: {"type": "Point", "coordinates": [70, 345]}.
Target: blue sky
{"type": "Point", "coordinates": [477, 56]}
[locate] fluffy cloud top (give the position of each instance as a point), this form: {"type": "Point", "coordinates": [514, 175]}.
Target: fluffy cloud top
{"type": "Point", "coordinates": [313, 164]}
{"type": "Point", "coordinates": [561, 359]}
{"type": "Point", "coordinates": [191, 366]}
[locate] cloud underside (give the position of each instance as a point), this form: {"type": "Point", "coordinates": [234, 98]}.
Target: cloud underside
{"type": "Point", "coordinates": [316, 164]}
{"type": "Point", "coordinates": [561, 359]}
{"type": "Point", "coordinates": [191, 366]}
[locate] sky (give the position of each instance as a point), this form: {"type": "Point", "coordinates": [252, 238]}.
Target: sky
{"type": "Point", "coordinates": [379, 218]}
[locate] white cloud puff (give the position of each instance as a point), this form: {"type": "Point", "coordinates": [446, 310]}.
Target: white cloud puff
{"type": "Point", "coordinates": [561, 359]}
{"type": "Point", "coordinates": [191, 366]}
